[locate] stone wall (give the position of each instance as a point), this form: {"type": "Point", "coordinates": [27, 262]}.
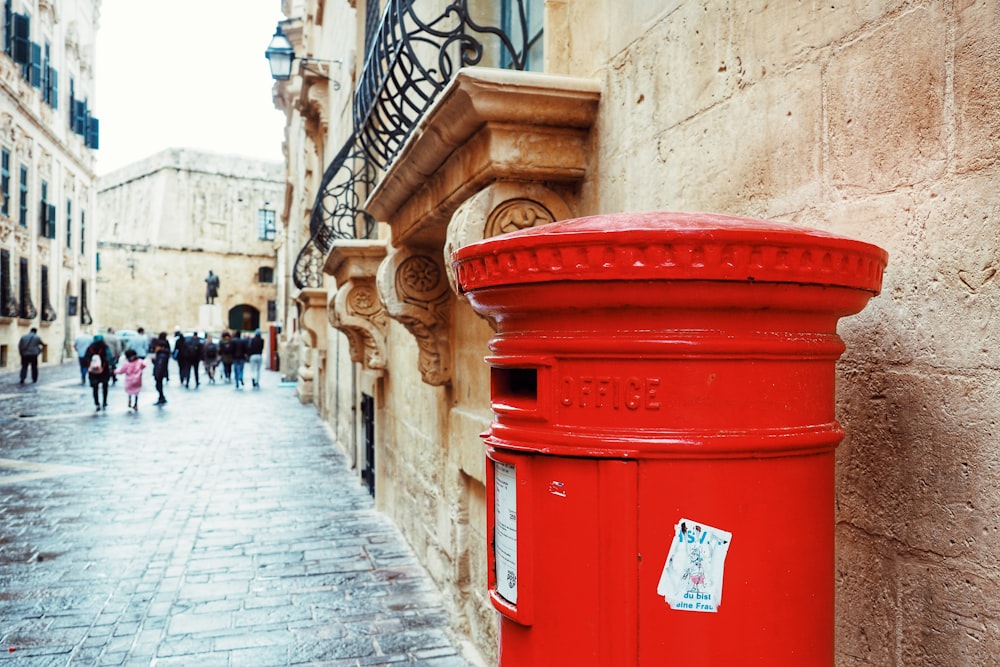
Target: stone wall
{"type": "Point", "coordinates": [165, 222]}
{"type": "Point", "coordinates": [877, 121]}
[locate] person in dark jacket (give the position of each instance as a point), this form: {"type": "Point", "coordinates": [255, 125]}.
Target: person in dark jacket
{"type": "Point", "coordinates": [160, 350]}
{"type": "Point", "coordinates": [99, 370]}
{"type": "Point", "coordinates": [255, 357]}
{"type": "Point", "coordinates": [226, 355]}
{"type": "Point", "coordinates": [190, 353]}
{"type": "Point", "coordinates": [30, 346]}
{"type": "Point", "coordinates": [210, 357]}
{"type": "Point", "coordinates": [240, 354]}
{"type": "Point", "coordinates": [181, 361]}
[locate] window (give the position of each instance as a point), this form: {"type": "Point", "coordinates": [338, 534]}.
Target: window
{"type": "Point", "coordinates": [35, 66]}
{"type": "Point", "coordinates": [83, 233]}
{"type": "Point", "coordinates": [80, 120]}
{"type": "Point", "coordinates": [8, 28]}
{"type": "Point", "coordinates": [48, 312]}
{"type": "Point", "coordinates": [43, 212]}
{"type": "Point", "coordinates": [21, 43]}
{"type": "Point", "coordinates": [8, 305]}
{"type": "Point", "coordinates": [69, 223]}
{"type": "Point", "coordinates": [5, 182]}
{"type": "Point", "coordinates": [46, 215]}
{"type": "Point", "coordinates": [265, 224]}
{"type": "Point", "coordinates": [265, 274]}
{"type": "Point", "coordinates": [50, 80]}
{"type": "Point", "coordinates": [22, 214]}
{"type": "Point", "coordinates": [529, 26]}
{"type": "Point", "coordinates": [27, 311]}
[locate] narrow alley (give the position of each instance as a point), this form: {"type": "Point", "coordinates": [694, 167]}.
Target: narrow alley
{"type": "Point", "coordinates": [223, 528]}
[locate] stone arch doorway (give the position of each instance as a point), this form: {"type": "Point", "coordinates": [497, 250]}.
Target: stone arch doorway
{"type": "Point", "coordinates": [244, 318]}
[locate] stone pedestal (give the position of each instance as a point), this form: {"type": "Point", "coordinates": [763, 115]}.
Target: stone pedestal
{"type": "Point", "coordinates": [210, 318]}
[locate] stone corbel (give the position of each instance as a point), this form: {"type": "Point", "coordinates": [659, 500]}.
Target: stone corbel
{"type": "Point", "coordinates": [356, 309]}
{"type": "Point", "coordinates": [501, 207]}
{"type": "Point", "coordinates": [313, 102]}
{"type": "Point", "coordinates": [312, 302]}
{"type": "Point", "coordinates": [497, 144]}
{"type": "Point", "coordinates": [413, 285]}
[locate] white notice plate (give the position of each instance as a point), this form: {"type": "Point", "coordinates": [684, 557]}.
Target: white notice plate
{"type": "Point", "coordinates": [505, 529]}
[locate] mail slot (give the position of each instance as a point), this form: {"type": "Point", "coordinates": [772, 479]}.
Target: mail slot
{"type": "Point", "coordinates": [660, 467]}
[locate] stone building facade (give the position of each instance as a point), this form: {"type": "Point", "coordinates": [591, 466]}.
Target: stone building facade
{"type": "Point", "coordinates": [874, 120]}
{"type": "Point", "coordinates": [48, 200]}
{"type": "Point", "coordinates": [167, 221]}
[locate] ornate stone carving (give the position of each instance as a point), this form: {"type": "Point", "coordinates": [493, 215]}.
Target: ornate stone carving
{"type": "Point", "coordinates": [414, 288]}
{"type": "Point", "coordinates": [44, 163]}
{"type": "Point", "coordinates": [73, 41]}
{"type": "Point", "coordinates": [7, 126]}
{"type": "Point", "coordinates": [516, 214]}
{"type": "Point", "coordinates": [473, 169]}
{"type": "Point", "coordinates": [501, 207]}
{"type": "Point", "coordinates": [312, 103]}
{"type": "Point", "coordinates": [22, 239]}
{"type": "Point", "coordinates": [356, 309]}
{"type": "Point", "coordinates": [312, 316]}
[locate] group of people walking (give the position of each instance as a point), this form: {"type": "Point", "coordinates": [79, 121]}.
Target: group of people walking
{"type": "Point", "coordinates": [99, 361]}
{"type": "Point", "coordinates": [232, 351]}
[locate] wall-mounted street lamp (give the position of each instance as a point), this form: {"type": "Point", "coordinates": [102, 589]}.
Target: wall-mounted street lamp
{"type": "Point", "coordinates": [280, 56]}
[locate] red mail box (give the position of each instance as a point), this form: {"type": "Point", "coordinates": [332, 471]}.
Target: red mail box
{"type": "Point", "coordinates": [661, 461]}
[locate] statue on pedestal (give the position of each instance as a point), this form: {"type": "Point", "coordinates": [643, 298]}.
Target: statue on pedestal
{"type": "Point", "coordinates": [211, 287]}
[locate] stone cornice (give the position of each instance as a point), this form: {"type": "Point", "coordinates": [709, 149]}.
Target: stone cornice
{"type": "Point", "coordinates": [488, 125]}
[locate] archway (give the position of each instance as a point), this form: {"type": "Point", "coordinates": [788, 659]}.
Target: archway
{"type": "Point", "coordinates": [244, 317]}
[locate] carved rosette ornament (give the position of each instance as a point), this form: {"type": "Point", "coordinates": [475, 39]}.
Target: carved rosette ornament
{"type": "Point", "coordinates": [414, 287]}
{"type": "Point", "coordinates": [357, 311]}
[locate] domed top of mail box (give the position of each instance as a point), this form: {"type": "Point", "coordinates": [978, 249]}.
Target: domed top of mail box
{"type": "Point", "coordinates": [670, 246]}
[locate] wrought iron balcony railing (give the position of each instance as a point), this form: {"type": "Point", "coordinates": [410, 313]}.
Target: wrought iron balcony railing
{"type": "Point", "coordinates": [412, 54]}
{"type": "Point", "coordinates": [336, 212]}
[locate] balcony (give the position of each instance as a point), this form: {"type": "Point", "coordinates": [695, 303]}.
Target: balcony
{"type": "Point", "coordinates": [413, 51]}
{"type": "Point", "coordinates": [453, 141]}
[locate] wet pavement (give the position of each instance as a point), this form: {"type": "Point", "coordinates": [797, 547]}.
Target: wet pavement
{"type": "Point", "coordinates": [223, 529]}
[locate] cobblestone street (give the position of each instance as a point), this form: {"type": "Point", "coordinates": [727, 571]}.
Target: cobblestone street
{"type": "Point", "coordinates": [222, 529]}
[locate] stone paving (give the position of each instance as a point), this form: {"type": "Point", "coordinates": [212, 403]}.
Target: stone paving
{"type": "Point", "coordinates": [222, 529]}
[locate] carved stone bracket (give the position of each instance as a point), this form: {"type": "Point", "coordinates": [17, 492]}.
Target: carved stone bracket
{"type": "Point", "coordinates": [22, 240]}
{"type": "Point", "coordinates": [498, 150]}
{"type": "Point", "coordinates": [312, 302]}
{"type": "Point", "coordinates": [501, 207]}
{"type": "Point", "coordinates": [356, 309]}
{"type": "Point", "coordinates": [414, 288]}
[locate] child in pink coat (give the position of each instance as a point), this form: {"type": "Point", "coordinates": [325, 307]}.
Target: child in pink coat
{"type": "Point", "coordinates": [132, 369]}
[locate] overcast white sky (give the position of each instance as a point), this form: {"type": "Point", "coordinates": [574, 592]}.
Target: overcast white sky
{"type": "Point", "coordinates": [185, 74]}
